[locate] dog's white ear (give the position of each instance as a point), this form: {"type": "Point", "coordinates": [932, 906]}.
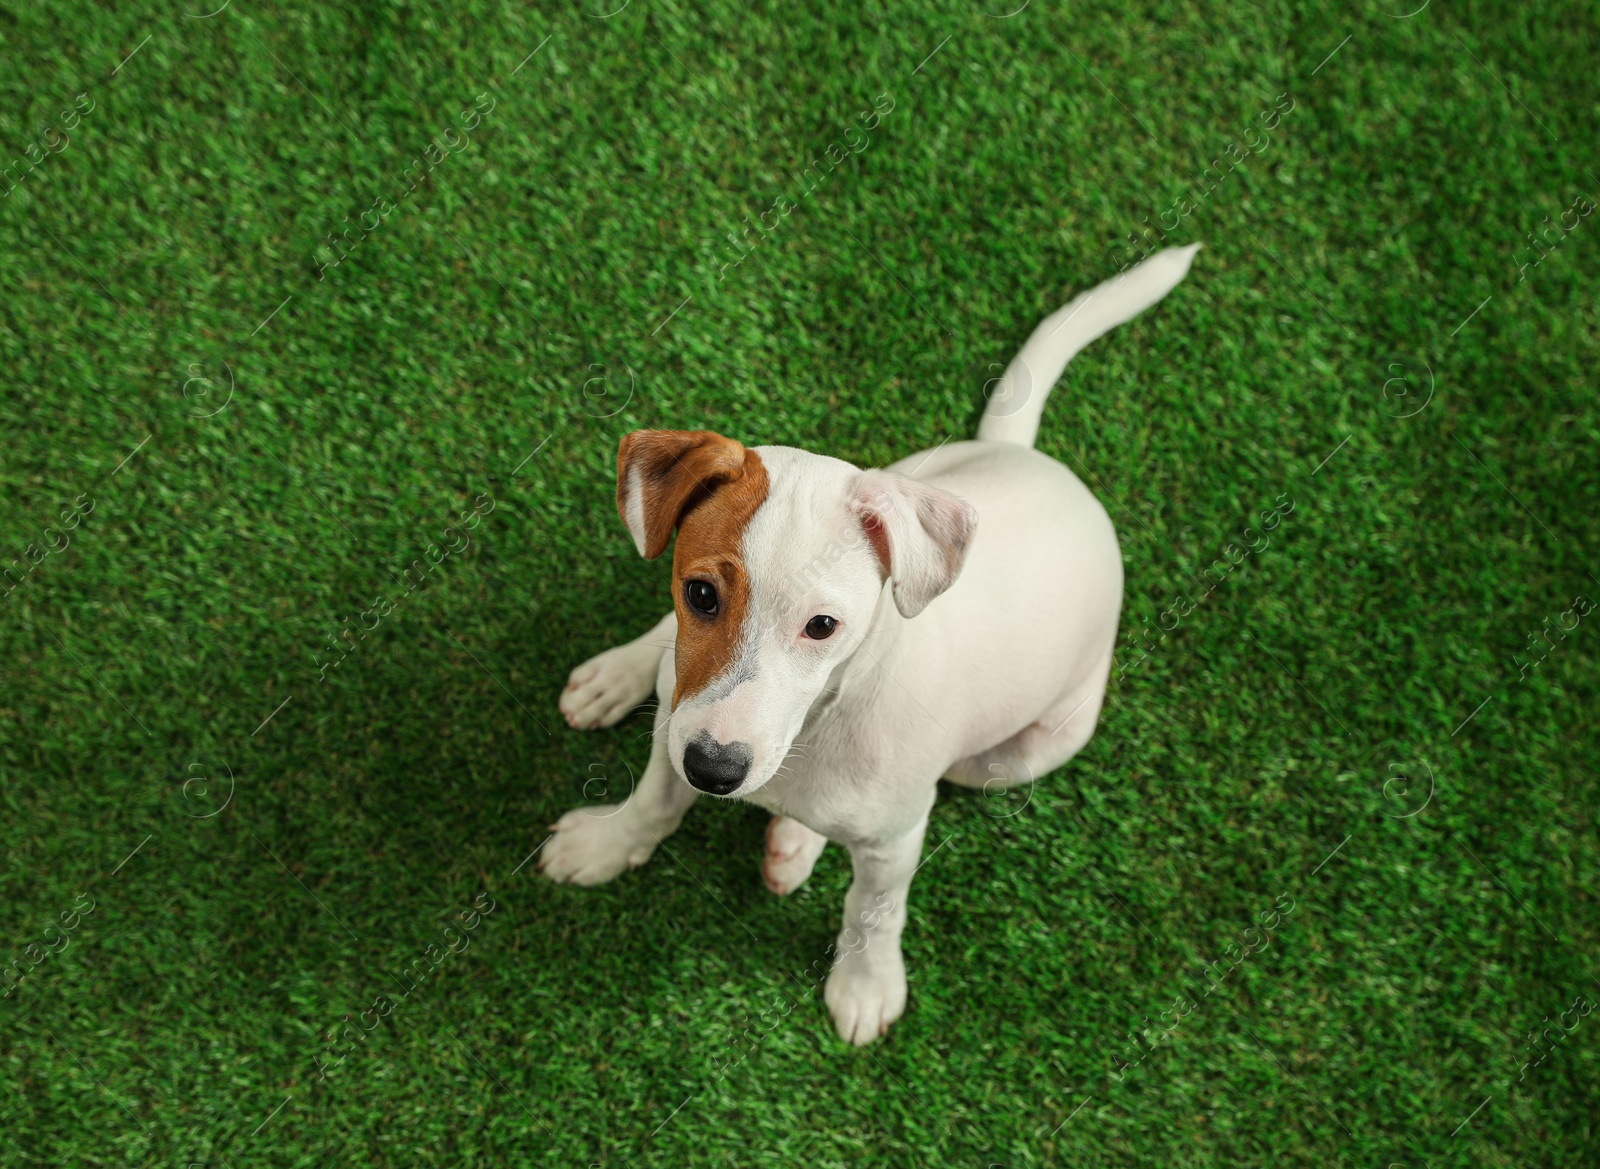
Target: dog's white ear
{"type": "Point", "coordinates": [920, 534]}
{"type": "Point", "coordinates": [660, 473]}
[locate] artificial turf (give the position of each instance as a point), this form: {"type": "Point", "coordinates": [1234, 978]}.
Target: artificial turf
{"type": "Point", "coordinates": [228, 436]}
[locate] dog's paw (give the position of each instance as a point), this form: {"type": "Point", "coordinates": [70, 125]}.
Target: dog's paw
{"type": "Point", "coordinates": [606, 687]}
{"type": "Point", "coordinates": [792, 852]}
{"type": "Point", "coordinates": [866, 992]}
{"type": "Point", "coordinates": [592, 845]}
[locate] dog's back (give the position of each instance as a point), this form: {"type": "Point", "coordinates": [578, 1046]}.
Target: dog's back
{"type": "Point", "coordinates": [1032, 619]}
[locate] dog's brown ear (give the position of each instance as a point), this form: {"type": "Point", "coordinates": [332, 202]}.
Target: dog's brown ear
{"type": "Point", "coordinates": [919, 533]}
{"type": "Point", "coordinates": [661, 472]}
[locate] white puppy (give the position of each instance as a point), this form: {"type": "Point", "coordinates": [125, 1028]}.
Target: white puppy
{"type": "Point", "coordinates": [841, 639]}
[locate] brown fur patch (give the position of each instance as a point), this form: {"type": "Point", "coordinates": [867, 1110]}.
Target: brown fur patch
{"type": "Point", "coordinates": [674, 467]}
{"type": "Point", "coordinates": [708, 487]}
{"type": "Point", "coordinates": [711, 548]}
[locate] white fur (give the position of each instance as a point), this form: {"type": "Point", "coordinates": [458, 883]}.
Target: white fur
{"type": "Point", "coordinates": [1017, 402]}
{"type": "Point", "coordinates": [633, 508]}
{"type": "Point", "coordinates": [982, 657]}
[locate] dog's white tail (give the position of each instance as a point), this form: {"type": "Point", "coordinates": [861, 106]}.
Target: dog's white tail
{"type": "Point", "coordinates": [1018, 399]}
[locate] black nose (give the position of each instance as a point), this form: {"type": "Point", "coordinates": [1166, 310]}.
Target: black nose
{"type": "Point", "coordinates": [715, 767]}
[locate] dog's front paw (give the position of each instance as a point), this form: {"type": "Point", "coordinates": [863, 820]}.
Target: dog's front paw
{"type": "Point", "coordinates": [866, 992]}
{"type": "Point", "coordinates": [592, 845]}
{"type": "Point", "coordinates": [606, 687]}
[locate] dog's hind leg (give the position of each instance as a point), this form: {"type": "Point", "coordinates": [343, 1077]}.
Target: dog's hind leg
{"type": "Point", "coordinates": [792, 852]}
{"type": "Point", "coordinates": [1041, 746]}
{"type": "Point", "coordinates": [608, 686]}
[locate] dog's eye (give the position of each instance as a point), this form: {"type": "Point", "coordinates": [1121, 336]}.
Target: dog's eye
{"type": "Point", "coordinates": [701, 595]}
{"type": "Point", "coordinates": [820, 628]}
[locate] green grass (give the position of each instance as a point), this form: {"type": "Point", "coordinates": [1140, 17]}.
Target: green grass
{"type": "Point", "coordinates": [184, 1019]}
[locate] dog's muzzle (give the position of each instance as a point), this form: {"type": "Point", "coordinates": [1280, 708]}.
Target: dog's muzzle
{"type": "Point", "coordinates": [715, 767]}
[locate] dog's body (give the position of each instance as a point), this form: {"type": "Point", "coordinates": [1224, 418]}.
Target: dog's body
{"type": "Point", "coordinates": [843, 639]}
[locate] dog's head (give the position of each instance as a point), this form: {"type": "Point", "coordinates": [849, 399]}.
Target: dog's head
{"type": "Point", "coordinates": [777, 575]}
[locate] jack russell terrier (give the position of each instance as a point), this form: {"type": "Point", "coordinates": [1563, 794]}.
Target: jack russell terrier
{"type": "Point", "coordinates": [841, 639]}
